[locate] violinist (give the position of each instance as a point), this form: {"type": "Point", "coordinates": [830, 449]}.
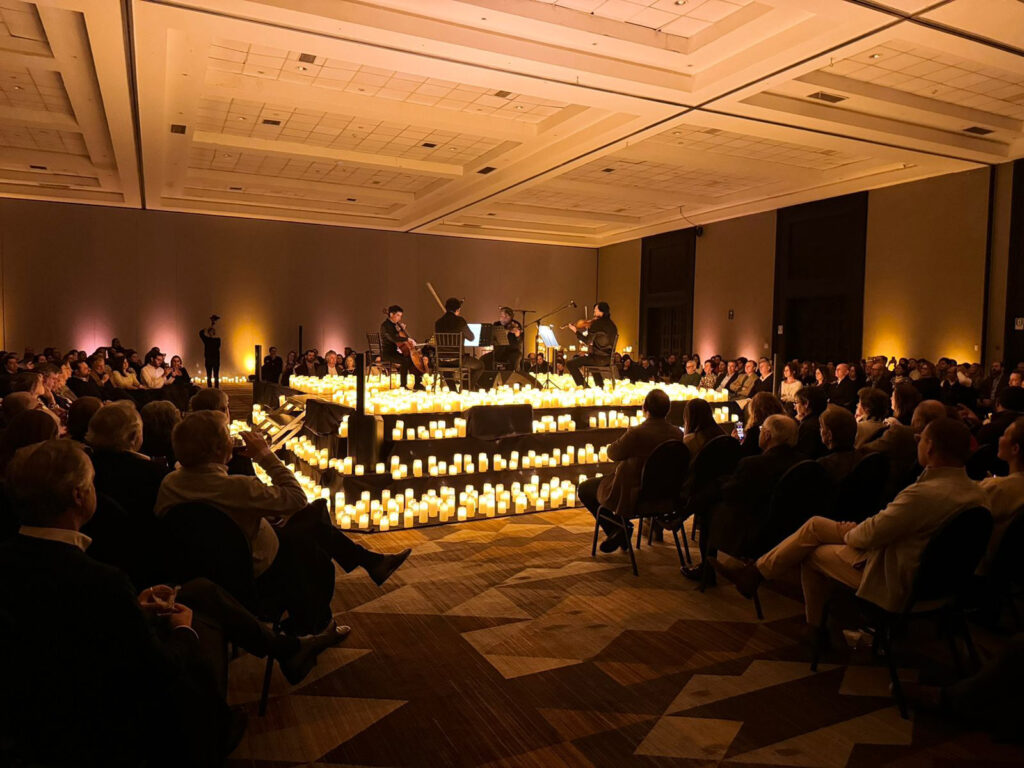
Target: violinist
{"type": "Point", "coordinates": [600, 334]}
{"type": "Point", "coordinates": [393, 334]}
{"type": "Point", "coordinates": [508, 356]}
{"type": "Point", "coordinates": [452, 321]}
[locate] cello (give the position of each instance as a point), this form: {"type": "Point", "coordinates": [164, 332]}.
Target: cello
{"type": "Point", "coordinates": [408, 347]}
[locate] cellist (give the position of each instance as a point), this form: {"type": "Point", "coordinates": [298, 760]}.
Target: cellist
{"type": "Point", "coordinates": [393, 338]}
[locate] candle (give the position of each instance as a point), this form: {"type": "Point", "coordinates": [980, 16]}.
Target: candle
{"type": "Point", "coordinates": [417, 468]}
{"type": "Point", "coordinates": [385, 524]}
{"type": "Point", "coordinates": [379, 468]}
{"type": "Point", "coordinates": [461, 515]}
{"type": "Point", "coordinates": [360, 469]}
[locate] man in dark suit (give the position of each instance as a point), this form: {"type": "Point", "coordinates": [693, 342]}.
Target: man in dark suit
{"type": "Point", "coordinates": [452, 321]}
{"type": "Point", "coordinates": [767, 381]}
{"type": "Point", "coordinates": [273, 366]}
{"type": "Point", "coordinates": [992, 386]}
{"type": "Point", "coordinates": [86, 679]}
{"type": "Point", "coordinates": [747, 494]}
{"type": "Point", "coordinates": [843, 391]}
{"type": "Point", "coordinates": [810, 404]}
{"type": "Point", "coordinates": [839, 433]}
{"type": "Point", "coordinates": [1009, 407]}
{"type": "Point", "coordinates": [879, 378]}
{"type": "Point", "coordinates": [616, 491]}
{"type": "Point", "coordinates": [601, 337]}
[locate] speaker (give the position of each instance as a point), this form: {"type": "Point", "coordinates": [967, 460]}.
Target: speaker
{"type": "Point", "coordinates": [491, 379]}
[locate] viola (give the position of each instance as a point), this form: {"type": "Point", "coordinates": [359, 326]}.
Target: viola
{"type": "Point", "coordinates": [579, 325]}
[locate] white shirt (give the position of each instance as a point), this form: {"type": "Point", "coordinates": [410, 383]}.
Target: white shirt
{"type": "Point", "coordinates": [63, 535]}
{"type": "Point", "coordinates": [153, 377]}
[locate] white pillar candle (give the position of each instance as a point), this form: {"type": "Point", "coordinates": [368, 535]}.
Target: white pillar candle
{"type": "Point", "coordinates": [407, 519]}
{"type": "Point", "coordinates": [417, 468]}
{"type": "Point", "coordinates": [384, 525]}
{"type": "Point", "coordinates": [360, 469]}
{"type": "Point", "coordinates": [461, 514]}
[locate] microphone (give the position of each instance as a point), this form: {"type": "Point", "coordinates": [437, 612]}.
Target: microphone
{"type": "Point", "coordinates": [572, 303]}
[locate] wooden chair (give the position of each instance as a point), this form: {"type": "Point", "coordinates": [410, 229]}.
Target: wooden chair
{"type": "Point", "coordinates": [448, 351]}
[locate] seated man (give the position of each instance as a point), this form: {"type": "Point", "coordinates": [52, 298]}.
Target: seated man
{"type": "Point", "coordinates": [211, 399]}
{"type": "Point", "coordinates": [287, 537]}
{"type": "Point", "coordinates": [872, 408]}
{"type": "Point", "coordinates": [85, 678]}
{"type": "Point", "coordinates": [1005, 494]}
{"type": "Point", "coordinates": [615, 491]}
{"type": "Point", "coordinates": [880, 556]}
{"type": "Point", "coordinates": [838, 432]}
{"type": "Point", "coordinates": [736, 523]}
{"type": "Point", "coordinates": [452, 321]}
{"type": "Point", "coordinates": [743, 385]}
{"type": "Point", "coordinates": [692, 376]}
{"type": "Point", "coordinates": [1009, 407]}
{"type": "Point", "coordinates": [843, 391]}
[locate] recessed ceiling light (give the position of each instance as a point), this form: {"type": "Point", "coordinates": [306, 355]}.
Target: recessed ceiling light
{"type": "Point", "coordinates": [680, 2]}
{"type": "Point", "coordinates": [241, 118]}
{"type": "Point", "coordinates": [518, 106]}
{"type": "Point", "coordinates": [302, 67]}
{"type": "Point", "coordinates": [875, 56]}
{"type": "Point", "coordinates": [17, 87]}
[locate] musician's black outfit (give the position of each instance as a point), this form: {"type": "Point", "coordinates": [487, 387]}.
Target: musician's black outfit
{"type": "Point", "coordinates": [211, 358]}
{"type": "Point", "coordinates": [507, 356]}
{"type": "Point", "coordinates": [449, 322]}
{"type": "Point", "coordinates": [601, 338]}
{"type": "Point", "coordinates": [391, 336]}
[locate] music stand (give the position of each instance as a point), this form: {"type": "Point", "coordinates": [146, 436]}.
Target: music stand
{"type": "Point", "coordinates": [547, 335]}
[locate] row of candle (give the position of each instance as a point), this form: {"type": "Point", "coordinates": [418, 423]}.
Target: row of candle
{"type": "Point", "coordinates": [406, 510]}
{"type": "Point", "coordinates": [434, 430]}
{"type": "Point", "coordinates": [305, 450]}
{"type": "Point", "coordinates": [341, 389]}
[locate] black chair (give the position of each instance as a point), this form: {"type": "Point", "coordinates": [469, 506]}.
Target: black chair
{"type": "Point", "coordinates": [373, 344]}
{"type": "Point", "coordinates": [788, 509]}
{"type": "Point", "coordinates": [1005, 577]}
{"type": "Point", "coordinates": [980, 462]}
{"type": "Point", "coordinates": [608, 371]}
{"type": "Point", "coordinates": [947, 565]}
{"type": "Point", "coordinates": [660, 481]}
{"type": "Point", "coordinates": [448, 351]}
{"type": "Point", "coordinates": [203, 542]}
{"type": "Point", "coordinates": [861, 493]}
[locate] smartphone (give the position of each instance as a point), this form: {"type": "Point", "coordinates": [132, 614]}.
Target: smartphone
{"type": "Point", "coordinates": [740, 432]}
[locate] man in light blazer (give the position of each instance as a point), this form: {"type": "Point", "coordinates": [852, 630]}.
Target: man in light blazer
{"type": "Point", "coordinates": [880, 556]}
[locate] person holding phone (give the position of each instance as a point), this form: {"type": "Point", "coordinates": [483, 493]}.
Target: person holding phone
{"type": "Point", "coordinates": [211, 352]}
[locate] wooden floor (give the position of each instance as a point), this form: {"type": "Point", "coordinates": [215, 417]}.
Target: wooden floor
{"type": "Point", "coordinates": [503, 643]}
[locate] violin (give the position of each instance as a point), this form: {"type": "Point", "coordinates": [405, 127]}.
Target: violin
{"type": "Point", "coordinates": [579, 325]}
{"type": "Point", "coordinates": [409, 348]}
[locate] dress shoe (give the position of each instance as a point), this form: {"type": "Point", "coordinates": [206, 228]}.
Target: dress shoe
{"type": "Point", "coordinates": [301, 663]}
{"type": "Point", "coordinates": [746, 578]}
{"type": "Point", "coordinates": [693, 572]}
{"type": "Point", "coordinates": [381, 571]}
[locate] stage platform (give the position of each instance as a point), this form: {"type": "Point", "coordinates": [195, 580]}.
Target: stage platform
{"type": "Point", "coordinates": [423, 459]}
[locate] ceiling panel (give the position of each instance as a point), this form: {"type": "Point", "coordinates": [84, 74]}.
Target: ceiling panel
{"type": "Point", "coordinates": [580, 122]}
{"type": "Point", "coordinates": [66, 130]}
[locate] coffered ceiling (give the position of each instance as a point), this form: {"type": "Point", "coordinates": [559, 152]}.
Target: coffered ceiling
{"type": "Point", "coordinates": [580, 122]}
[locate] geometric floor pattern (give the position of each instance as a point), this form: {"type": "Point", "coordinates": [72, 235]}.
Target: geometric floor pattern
{"type": "Point", "coordinates": [503, 643]}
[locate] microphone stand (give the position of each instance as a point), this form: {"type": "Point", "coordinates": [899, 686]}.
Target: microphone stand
{"type": "Point", "coordinates": [536, 341]}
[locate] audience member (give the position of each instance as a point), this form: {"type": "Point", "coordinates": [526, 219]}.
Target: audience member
{"type": "Point", "coordinates": [692, 377]}
{"type": "Point", "coordinates": [926, 382]}
{"type": "Point", "coordinates": [26, 428]}
{"type": "Point", "coordinates": [699, 426]}
{"type": "Point", "coordinates": [790, 385]}
{"type": "Point", "coordinates": [159, 418]}
{"type": "Point", "coordinates": [710, 378]}
{"type": "Point", "coordinates": [810, 404]}
{"type": "Point", "coordinates": [843, 391]}
{"type": "Point", "coordinates": [880, 556]}
{"type": "Point", "coordinates": [122, 473]}
{"type": "Point", "coordinates": [762, 405]}
{"type": "Point", "coordinates": [766, 382]}
{"type": "Point", "coordinates": [872, 408]}
{"type": "Point", "coordinates": [282, 551]}
{"type": "Point", "coordinates": [121, 374]}
{"type": "Point", "coordinates": [1009, 407]}
{"type": "Point", "coordinates": [743, 384]}
{"type": "Point", "coordinates": [838, 434]}
{"type": "Point", "coordinates": [273, 366]}
{"type": "Point", "coordinates": [1006, 494]}
{"type": "Point", "coordinates": [615, 491]}
{"type": "Point", "coordinates": [879, 377]}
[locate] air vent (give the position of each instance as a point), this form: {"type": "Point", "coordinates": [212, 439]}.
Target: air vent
{"type": "Point", "coordinates": [38, 167]}
{"type": "Point", "coordinates": [977, 130]}
{"type": "Point", "coordinates": [271, 122]}
{"type": "Point", "coordinates": [831, 98]}
{"type": "Point", "coordinates": [487, 170]}
{"type": "Point", "coordinates": [177, 128]}
{"type": "Point", "coordinates": [503, 94]}
{"type": "Point", "coordinates": [307, 58]}
{"type": "Point", "coordinates": [429, 144]}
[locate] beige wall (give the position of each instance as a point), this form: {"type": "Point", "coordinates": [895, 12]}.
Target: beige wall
{"type": "Point", "coordinates": [618, 283]}
{"type": "Point", "coordinates": [73, 276]}
{"type": "Point", "coordinates": [735, 270]}
{"type": "Point", "coordinates": [925, 267]}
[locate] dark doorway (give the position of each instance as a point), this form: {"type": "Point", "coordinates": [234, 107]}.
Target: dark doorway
{"type": "Point", "coordinates": [1013, 337]}
{"type": "Point", "coordinates": [819, 279]}
{"type": "Point", "coordinates": [666, 292]}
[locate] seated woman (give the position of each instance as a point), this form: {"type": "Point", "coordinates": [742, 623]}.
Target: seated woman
{"type": "Point", "coordinates": [179, 387]}
{"type": "Point", "coordinates": [159, 419]}
{"type": "Point", "coordinates": [699, 426]}
{"type": "Point", "coordinates": [122, 473]}
{"type": "Point", "coordinates": [927, 384]}
{"type": "Point", "coordinates": [289, 365]}
{"type": "Point", "coordinates": [709, 379]}
{"type": "Point", "coordinates": [122, 376]}
{"type": "Point", "coordinates": [350, 366]}
{"type": "Point", "coordinates": [762, 405]}
{"type": "Point", "coordinates": [791, 384]}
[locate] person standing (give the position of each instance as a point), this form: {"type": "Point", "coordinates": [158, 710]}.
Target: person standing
{"type": "Point", "coordinates": [211, 352]}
